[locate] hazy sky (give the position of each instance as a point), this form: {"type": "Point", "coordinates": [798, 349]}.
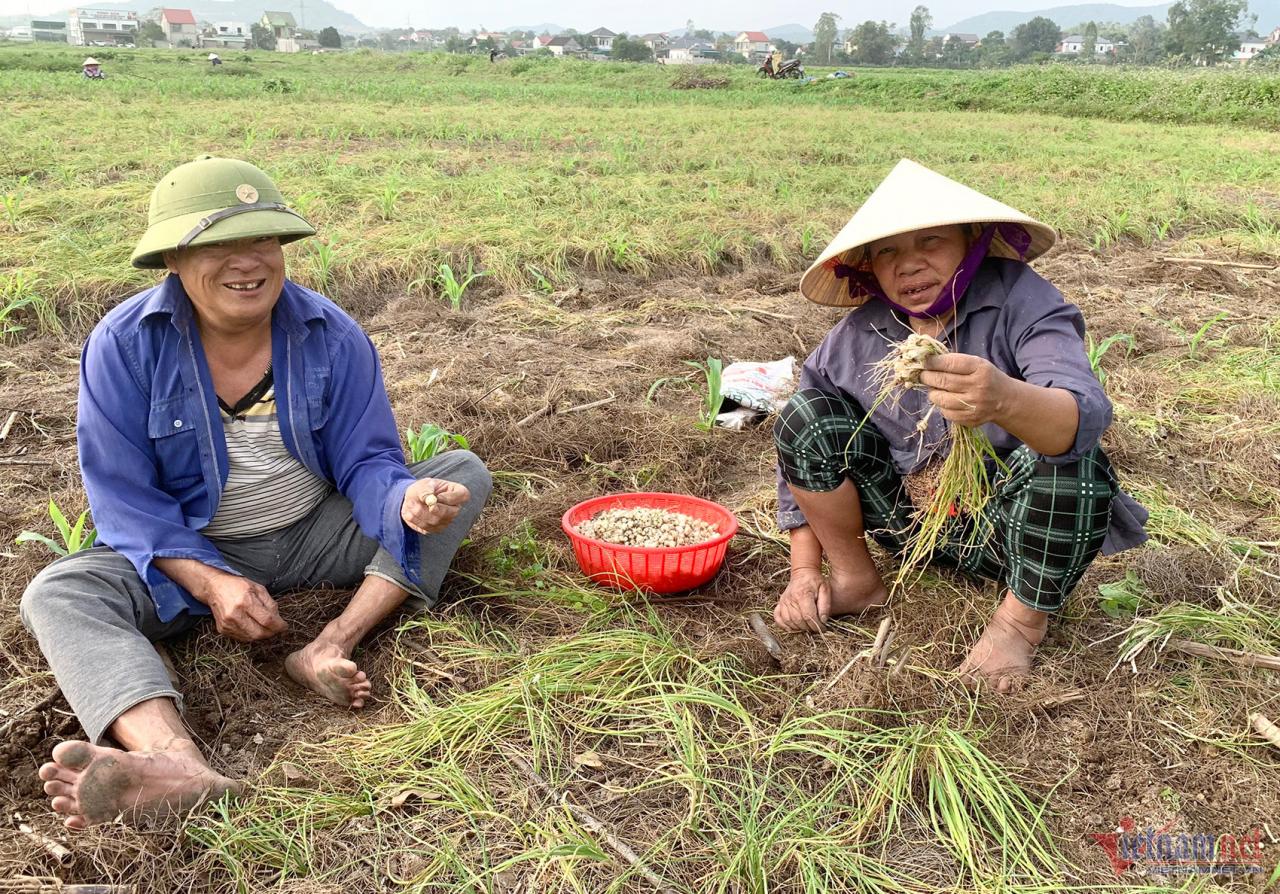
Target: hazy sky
{"type": "Point", "coordinates": [651, 15]}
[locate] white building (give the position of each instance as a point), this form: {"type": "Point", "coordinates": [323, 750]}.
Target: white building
{"type": "Point", "coordinates": [20, 32]}
{"type": "Point", "coordinates": [563, 45]}
{"type": "Point", "coordinates": [101, 27]}
{"type": "Point", "coordinates": [48, 31]}
{"type": "Point", "coordinates": [687, 51]}
{"type": "Point", "coordinates": [1248, 49]}
{"type": "Point", "coordinates": [228, 35]}
{"type": "Point", "coordinates": [296, 45]}
{"type": "Point", "coordinates": [602, 38]}
{"type": "Point", "coordinates": [1073, 45]}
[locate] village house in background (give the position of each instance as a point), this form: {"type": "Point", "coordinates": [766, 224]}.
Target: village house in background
{"type": "Point", "coordinates": [102, 28]}
{"type": "Point", "coordinates": [1073, 45]}
{"type": "Point", "coordinates": [285, 29]}
{"type": "Point", "coordinates": [179, 27]}
{"type": "Point", "coordinates": [562, 45]}
{"type": "Point", "coordinates": [1248, 49]}
{"type": "Point", "coordinates": [690, 51]}
{"type": "Point", "coordinates": [484, 38]}
{"type": "Point", "coordinates": [754, 45]}
{"type": "Point", "coordinates": [282, 25]}
{"type": "Point", "coordinates": [602, 38]}
{"type": "Point", "coordinates": [425, 39]}
{"type": "Point", "coordinates": [226, 35]}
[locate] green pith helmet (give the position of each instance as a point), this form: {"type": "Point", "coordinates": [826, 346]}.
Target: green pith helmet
{"type": "Point", "coordinates": [214, 200]}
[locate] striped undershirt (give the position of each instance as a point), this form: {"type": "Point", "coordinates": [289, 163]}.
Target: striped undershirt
{"type": "Point", "coordinates": [267, 488]}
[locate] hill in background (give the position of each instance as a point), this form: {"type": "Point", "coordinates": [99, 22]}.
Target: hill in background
{"type": "Point", "coordinates": [792, 33]}
{"type": "Point", "coordinates": [544, 28]}
{"type": "Point", "coordinates": [1267, 11]}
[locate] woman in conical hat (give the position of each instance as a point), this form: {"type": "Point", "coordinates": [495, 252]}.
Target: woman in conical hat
{"type": "Point", "coordinates": [929, 255]}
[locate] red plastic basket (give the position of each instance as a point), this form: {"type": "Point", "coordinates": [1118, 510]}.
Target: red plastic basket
{"type": "Point", "coordinates": [660, 569]}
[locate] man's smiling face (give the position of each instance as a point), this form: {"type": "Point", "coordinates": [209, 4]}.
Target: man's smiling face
{"type": "Point", "coordinates": [233, 285]}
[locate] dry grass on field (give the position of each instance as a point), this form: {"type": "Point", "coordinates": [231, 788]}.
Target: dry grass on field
{"type": "Point", "coordinates": [720, 769]}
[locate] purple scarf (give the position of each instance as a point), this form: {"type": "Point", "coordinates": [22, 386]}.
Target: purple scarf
{"type": "Point", "coordinates": [863, 283]}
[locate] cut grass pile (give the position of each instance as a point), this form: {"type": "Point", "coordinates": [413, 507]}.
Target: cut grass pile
{"type": "Point", "coordinates": [740, 790]}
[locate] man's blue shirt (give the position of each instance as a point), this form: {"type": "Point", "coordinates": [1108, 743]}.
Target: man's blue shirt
{"type": "Point", "coordinates": [151, 446]}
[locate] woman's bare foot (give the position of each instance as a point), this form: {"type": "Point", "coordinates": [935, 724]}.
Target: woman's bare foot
{"type": "Point", "coordinates": [89, 784]}
{"type": "Point", "coordinates": [325, 668]}
{"type": "Point", "coordinates": [1002, 655]}
{"type": "Point", "coordinates": [810, 599]}
{"type": "Point", "coordinates": [856, 591]}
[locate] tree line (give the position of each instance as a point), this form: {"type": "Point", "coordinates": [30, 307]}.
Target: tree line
{"type": "Point", "coordinates": [1196, 32]}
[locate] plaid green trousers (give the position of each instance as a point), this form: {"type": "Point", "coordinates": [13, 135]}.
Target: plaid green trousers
{"type": "Point", "coordinates": [1047, 521]}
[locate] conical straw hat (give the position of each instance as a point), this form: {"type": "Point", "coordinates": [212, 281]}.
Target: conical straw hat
{"type": "Point", "coordinates": [913, 197]}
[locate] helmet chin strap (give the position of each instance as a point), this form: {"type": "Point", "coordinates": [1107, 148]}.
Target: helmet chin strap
{"type": "Point", "coordinates": [212, 219]}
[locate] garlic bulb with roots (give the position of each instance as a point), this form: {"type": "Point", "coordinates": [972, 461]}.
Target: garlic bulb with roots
{"type": "Point", "coordinates": [950, 512]}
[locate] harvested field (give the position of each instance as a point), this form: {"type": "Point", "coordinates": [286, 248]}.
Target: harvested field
{"type": "Point", "coordinates": [532, 700]}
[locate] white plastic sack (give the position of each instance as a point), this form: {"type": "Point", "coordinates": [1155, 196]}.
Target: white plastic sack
{"type": "Point", "coordinates": [756, 387]}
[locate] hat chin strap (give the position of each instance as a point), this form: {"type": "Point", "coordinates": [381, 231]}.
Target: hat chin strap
{"type": "Point", "coordinates": [212, 219]}
{"type": "Point", "coordinates": [864, 283]}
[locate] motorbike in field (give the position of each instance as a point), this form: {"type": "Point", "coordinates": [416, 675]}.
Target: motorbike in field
{"type": "Point", "coordinates": [792, 68]}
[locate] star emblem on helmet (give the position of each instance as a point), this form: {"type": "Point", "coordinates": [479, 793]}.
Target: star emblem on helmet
{"type": "Point", "coordinates": [246, 193]}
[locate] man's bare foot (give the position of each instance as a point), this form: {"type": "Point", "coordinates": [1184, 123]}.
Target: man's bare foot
{"type": "Point", "coordinates": [1002, 655]}
{"type": "Point", "coordinates": [89, 784]}
{"type": "Point", "coordinates": [325, 668]}
{"type": "Point", "coordinates": [854, 592]}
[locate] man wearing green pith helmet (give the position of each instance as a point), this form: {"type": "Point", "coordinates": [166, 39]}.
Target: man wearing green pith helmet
{"type": "Point", "coordinates": [236, 441]}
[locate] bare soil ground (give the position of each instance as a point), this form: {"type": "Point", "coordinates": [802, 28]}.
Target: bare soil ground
{"type": "Point", "coordinates": [1102, 745]}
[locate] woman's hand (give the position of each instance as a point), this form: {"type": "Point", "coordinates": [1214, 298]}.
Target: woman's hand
{"type": "Point", "coordinates": [806, 602]}
{"type": "Point", "coordinates": [968, 390]}
{"type": "Point", "coordinates": [432, 503]}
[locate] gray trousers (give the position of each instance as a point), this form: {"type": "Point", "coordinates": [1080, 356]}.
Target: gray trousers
{"type": "Point", "coordinates": [95, 620]}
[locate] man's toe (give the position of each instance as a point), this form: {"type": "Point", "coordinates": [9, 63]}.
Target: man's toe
{"type": "Point", "coordinates": [58, 773]}
{"type": "Point", "coordinates": [59, 789]}
{"type": "Point", "coordinates": [345, 669]}
{"type": "Point", "coordinates": [74, 755]}
{"type": "Point", "coordinates": [65, 804]}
